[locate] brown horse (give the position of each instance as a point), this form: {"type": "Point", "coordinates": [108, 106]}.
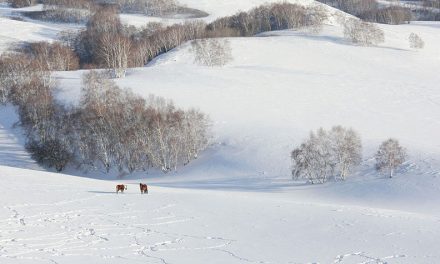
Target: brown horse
{"type": "Point", "coordinates": [120, 187]}
{"type": "Point", "coordinates": [144, 188]}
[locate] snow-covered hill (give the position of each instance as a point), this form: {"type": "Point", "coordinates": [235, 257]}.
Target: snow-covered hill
{"type": "Point", "coordinates": [237, 203]}
{"type": "Point", "coordinates": [284, 84]}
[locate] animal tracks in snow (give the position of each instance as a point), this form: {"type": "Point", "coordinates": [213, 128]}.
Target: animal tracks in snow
{"type": "Point", "coordinates": [364, 258]}
{"type": "Point", "coordinates": [72, 228]}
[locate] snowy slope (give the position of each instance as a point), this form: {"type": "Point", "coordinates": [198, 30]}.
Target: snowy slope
{"type": "Point", "coordinates": [279, 88]}
{"type": "Point", "coordinates": [12, 151]}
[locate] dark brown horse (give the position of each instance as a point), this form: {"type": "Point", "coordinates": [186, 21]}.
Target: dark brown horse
{"type": "Point", "coordinates": [120, 187]}
{"type": "Point", "coordinates": [144, 188]}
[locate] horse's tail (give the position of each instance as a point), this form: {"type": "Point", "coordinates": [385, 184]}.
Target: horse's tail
{"type": "Point", "coordinates": [125, 187]}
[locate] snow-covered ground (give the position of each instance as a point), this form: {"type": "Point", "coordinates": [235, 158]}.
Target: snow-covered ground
{"type": "Point", "coordinates": [55, 218]}
{"type": "Point", "coordinates": [236, 203]}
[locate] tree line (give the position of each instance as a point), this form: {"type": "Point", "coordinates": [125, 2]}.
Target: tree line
{"type": "Point", "coordinates": [400, 13]}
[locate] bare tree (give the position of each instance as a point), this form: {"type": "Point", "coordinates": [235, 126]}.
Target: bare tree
{"type": "Point", "coordinates": [363, 33]}
{"type": "Point", "coordinates": [347, 149]}
{"type": "Point", "coordinates": [212, 52]}
{"type": "Point", "coordinates": [114, 50]}
{"type": "Point", "coordinates": [390, 156]}
{"type": "Point", "coordinates": [415, 41]}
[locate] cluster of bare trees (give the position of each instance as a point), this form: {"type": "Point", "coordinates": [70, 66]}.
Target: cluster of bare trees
{"type": "Point", "coordinates": [327, 154]}
{"type": "Point", "coordinates": [335, 153]}
{"type": "Point", "coordinates": [353, 7]}
{"type": "Point", "coordinates": [269, 17]}
{"type": "Point", "coordinates": [111, 128]}
{"type": "Point", "coordinates": [363, 33]}
{"type": "Point", "coordinates": [212, 52]}
{"type": "Point", "coordinates": [430, 11]}
{"type": "Point", "coordinates": [149, 7]}
{"type": "Point", "coordinates": [66, 11]}
{"type": "Point", "coordinates": [31, 66]}
{"type": "Point", "coordinates": [21, 3]}
{"type": "Point", "coordinates": [431, 3]}
{"type": "Point", "coordinates": [106, 43]}
{"type": "Point", "coordinates": [393, 15]}
{"type": "Point", "coordinates": [370, 10]}
{"type": "Point", "coordinates": [52, 56]}
{"type": "Point", "coordinates": [130, 133]}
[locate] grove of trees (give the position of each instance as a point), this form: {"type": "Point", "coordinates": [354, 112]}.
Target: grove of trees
{"type": "Point", "coordinates": [110, 129]}
{"type": "Point", "coordinates": [370, 10]}
{"type": "Point", "coordinates": [334, 154]}
{"type": "Point", "coordinates": [327, 154]}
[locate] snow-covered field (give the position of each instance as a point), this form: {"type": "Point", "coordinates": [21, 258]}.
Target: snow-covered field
{"type": "Point", "coordinates": [55, 218]}
{"type": "Point", "coordinates": [237, 203]}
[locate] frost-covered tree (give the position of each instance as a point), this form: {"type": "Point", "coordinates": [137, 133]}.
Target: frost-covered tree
{"type": "Point", "coordinates": [390, 156]}
{"type": "Point", "coordinates": [327, 154]}
{"type": "Point", "coordinates": [363, 33]}
{"type": "Point", "coordinates": [313, 160]}
{"type": "Point", "coordinates": [415, 41]}
{"type": "Point", "coordinates": [347, 149]}
{"type": "Point", "coordinates": [212, 52]}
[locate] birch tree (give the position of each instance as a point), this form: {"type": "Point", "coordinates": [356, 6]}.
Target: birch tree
{"type": "Point", "coordinates": [390, 156]}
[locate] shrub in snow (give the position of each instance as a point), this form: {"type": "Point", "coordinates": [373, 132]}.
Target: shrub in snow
{"type": "Point", "coordinates": [390, 156]}
{"type": "Point", "coordinates": [211, 52]}
{"type": "Point", "coordinates": [363, 33]}
{"type": "Point", "coordinates": [415, 41]}
{"type": "Point", "coordinates": [327, 154]}
{"type": "Point", "coordinates": [51, 153]}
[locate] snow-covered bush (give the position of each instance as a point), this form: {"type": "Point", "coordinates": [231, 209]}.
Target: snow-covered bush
{"type": "Point", "coordinates": [390, 156]}
{"type": "Point", "coordinates": [363, 33]}
{"type": "Point", "coordinates": [212, 52]}
{"type": "Point", "coordinates": [327, 154]}
{"type": "Point", "coordinates": [51, 153]}
{"type": "Point", "coordinates": [415, 41]}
